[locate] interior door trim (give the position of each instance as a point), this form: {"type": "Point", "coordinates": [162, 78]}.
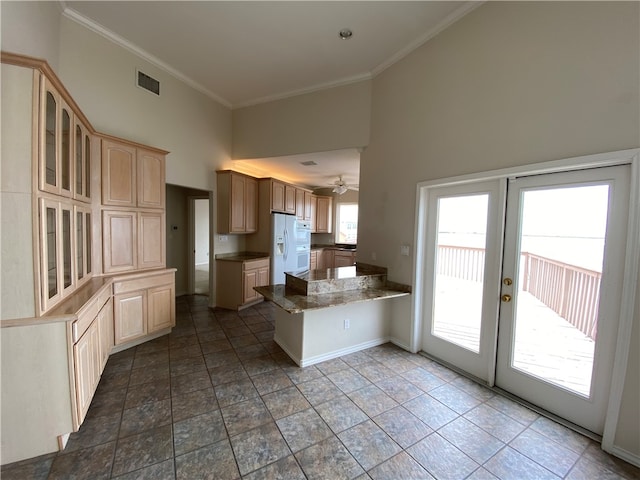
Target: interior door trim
{"type": "Point", "coordinates": [627, 308]}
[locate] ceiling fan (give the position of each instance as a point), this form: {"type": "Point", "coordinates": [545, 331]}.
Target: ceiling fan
{"type": "Point", "coordinates": [340, 186]}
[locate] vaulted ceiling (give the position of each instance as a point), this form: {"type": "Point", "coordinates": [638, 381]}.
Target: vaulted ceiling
{"type": "Point", "coordinates": [242, 53]}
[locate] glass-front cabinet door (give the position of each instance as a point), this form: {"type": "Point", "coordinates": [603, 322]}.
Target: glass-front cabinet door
{"type": "Point", "coordinates": [49, 217]}
{"type": "Point", "coordinates": [83, 249]}
{"type": "Point", "coordinates": [82, 161]}
{"type": "Point", "coordinates": [49, 177]}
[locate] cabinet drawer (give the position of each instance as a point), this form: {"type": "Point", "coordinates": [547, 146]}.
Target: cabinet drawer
{"type": "Point", "coordinates": [89, 314]}
{"type": "Point", "coordinates": [142, 283]}
{"type": "Point", "coordinates": [254, 264]}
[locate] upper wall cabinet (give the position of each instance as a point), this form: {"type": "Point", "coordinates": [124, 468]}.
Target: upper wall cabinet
{"type": "Point", "coordinates": [151, 179]}
{"type": "Point", "coordinates": [237, 202]}
{"type": "Point", "coordinates": [82, 160]}
{"type": "Point", "coordinates": [64, 158]}
{"type": "Point", "coordinates": [132, 177]}
{"type": "Point", "coordinates": [323, 214]}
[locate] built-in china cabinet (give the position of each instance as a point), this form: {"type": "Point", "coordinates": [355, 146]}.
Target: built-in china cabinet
{"type": "Point", "coordinates": [97, 236]}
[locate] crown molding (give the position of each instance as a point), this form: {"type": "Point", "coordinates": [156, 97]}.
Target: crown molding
{"type": "Point", "coordinates": [315, 88]}
{"type": "Point", "coordinates": [450, 19]}
{"type": "Point", "coordinates": [127, 45]}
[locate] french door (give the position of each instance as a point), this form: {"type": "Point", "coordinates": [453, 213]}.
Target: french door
{"type": "Point", "coordinates": [537, 313]}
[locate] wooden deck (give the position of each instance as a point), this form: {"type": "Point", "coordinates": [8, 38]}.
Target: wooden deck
{"type": "Point", "coordinates": [548, 346]}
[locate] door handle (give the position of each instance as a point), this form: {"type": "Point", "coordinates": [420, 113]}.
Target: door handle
{"type": "Point", "coordinates": [506, 298]}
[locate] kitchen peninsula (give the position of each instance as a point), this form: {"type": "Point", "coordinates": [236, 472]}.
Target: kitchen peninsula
{"type": "Point", "coordinates": [331, 312]}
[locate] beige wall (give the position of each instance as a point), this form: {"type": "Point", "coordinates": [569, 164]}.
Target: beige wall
{"type": "Point", "coordinates": [101, 78]}
{"type": "Point", "coordinates": [327, 120]}
{"type": "Point", "coordinates": [509, 84]}
{"type": "Point", "coordinates": [41, 39]}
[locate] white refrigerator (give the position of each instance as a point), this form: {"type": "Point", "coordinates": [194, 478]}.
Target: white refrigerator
{"type": "Point", "coordinates": [284, 248]}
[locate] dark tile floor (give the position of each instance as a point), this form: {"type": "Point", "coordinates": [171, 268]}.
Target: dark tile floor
{"type": "Point", "coordinates": [218, 399]}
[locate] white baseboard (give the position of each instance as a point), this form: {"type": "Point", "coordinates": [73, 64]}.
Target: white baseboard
{"type": "Point", "coordinates": [400, 344]}
{"type": "Point", "coordinates": [333, 354]}
{"type": "Point", "coordinates": [286, 350]}
{"type": "Point", "coordinates": [629, 457]}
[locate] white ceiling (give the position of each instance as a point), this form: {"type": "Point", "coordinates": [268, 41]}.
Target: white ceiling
{"type": "Point", "coordinates": [242, 53]}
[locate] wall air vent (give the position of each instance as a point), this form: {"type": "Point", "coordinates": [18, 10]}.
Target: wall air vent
{"type": "Point", "coordinates": [308, 163]}
{"type": "Point", "coordinates": [148, 83]}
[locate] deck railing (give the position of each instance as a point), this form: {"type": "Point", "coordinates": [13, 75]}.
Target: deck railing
{"type": "Point", "coordinates": [465, 263]}
{"type": "Point", "coordinates": [570, 291]}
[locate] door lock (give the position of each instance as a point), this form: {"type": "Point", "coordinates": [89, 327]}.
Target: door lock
{"type": "Point", "coordinates": [507, 281]}
{"type": "Point", "coordinates": [506, 298]}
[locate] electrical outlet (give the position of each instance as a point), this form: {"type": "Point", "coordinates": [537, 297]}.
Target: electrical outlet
{"type": "Point", "coordinates": [222, 238]}
{"type": "Point", "coordinates": [347, 323]}
{"type": "Point", "coordinates": [374, 256]}
{"type": "Point", "coordinates": [404, 250]}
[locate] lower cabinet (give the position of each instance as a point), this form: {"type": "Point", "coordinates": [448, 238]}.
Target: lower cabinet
{"type": "Point", "coordinates": [143, 305]}
{"type": "Point", "coordinates": [235, 281]}
{"type": "Point", "coordinates": [91, 351]}
{"type": "Point", "coordinates": [313, 260]}
{"type": "Point", "coordinates": [343, 259]}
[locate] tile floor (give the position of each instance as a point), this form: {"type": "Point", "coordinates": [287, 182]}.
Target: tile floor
{"type": "Point", "coordinates": [218, 399]}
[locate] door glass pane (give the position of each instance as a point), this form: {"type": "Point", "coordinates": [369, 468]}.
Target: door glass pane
{"type": "Point", "coordinates": [50, 141]}
{"type": "Point", "coordinates": [52, 263]}
{"type": "Point", "coordinates": [65, 168]}
{"type": "Point", "coordinates": [87, 165]}
{"type": "Point", "coordinates": [66, 247]}
{"type": "Point", "coordinates": [561, 238]}
{"type": "Point", "coordinates": [80, 244]}
{"type": "Point", "coordinates": [460, 258]}
{"type": "Point", "coordinates": [88, 240]}
{"type": "Point", "coordinates": [79, 151]}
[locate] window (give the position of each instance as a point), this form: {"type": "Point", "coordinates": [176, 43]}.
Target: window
{"type": "Point", "coordinates": [347, 223]}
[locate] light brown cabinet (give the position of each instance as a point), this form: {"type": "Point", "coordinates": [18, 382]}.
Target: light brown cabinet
{"type": "Point", "coordinates": [313, 261]}
{"type": "Point", "coordinates": [235, 281]}
{"type": "Point", "coordinates": [309, 208]}
{"type": "Point", "coordinates": [133, 240]}
{"type": "Point", "coordinates": [277, 196]}
{"type": "Point", "coordinates": [300, 204]}
{"type": "Point", "coordinates": [151, 240]}
{"type": "Point", "coordinates": [150, 170]}
{"type": "Point", "coordinates": [237, 203]}
{"type": "Point", "coordinates": [132, 177]}
{"type": "Point", "coordinates": [63, 191]}
{"type": "Point", "coordinates": [86, 354]}
{"type": "Point", "coordinates": [55, 143]}
{"type": "Point", "coordinates": [283, 197]}
{"type": "Point", "coordinates": [343, 259]}
{"type": "Point", "coordinates": [82, 155]}
{"type": "Point", "coordinates": [92, 334]}
{"type": "Point", "coordinates": [289, 199]}
{"type": "Point", "coordinates": [118, 174]}
{"type": "Point", "coordinates": [323, 214]}
{"type": "Point", "coordinates": [143, 305]}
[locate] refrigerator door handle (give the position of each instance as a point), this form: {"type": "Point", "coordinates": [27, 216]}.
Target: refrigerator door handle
{"type": "Point", "coordinates": [286, 244]}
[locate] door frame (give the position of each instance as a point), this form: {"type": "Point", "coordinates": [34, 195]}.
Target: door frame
{"type": "Point", "coordinates": [630, 275]}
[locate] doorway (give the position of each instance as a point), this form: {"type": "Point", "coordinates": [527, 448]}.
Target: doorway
{"type": "Point", "coordinates": [522, 284]}
{"type": "Point", "coordinates": [200, 245]}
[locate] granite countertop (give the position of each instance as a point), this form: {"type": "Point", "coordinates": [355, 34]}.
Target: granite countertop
{"type": "Point", "coordinates": [333, 247]}
{"type": "Point", "coordinates": [331, 287]}
{"type": "Point", "coordinates": [293, 301]}
{"type": "Point", "coordinates": [241, 256]}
